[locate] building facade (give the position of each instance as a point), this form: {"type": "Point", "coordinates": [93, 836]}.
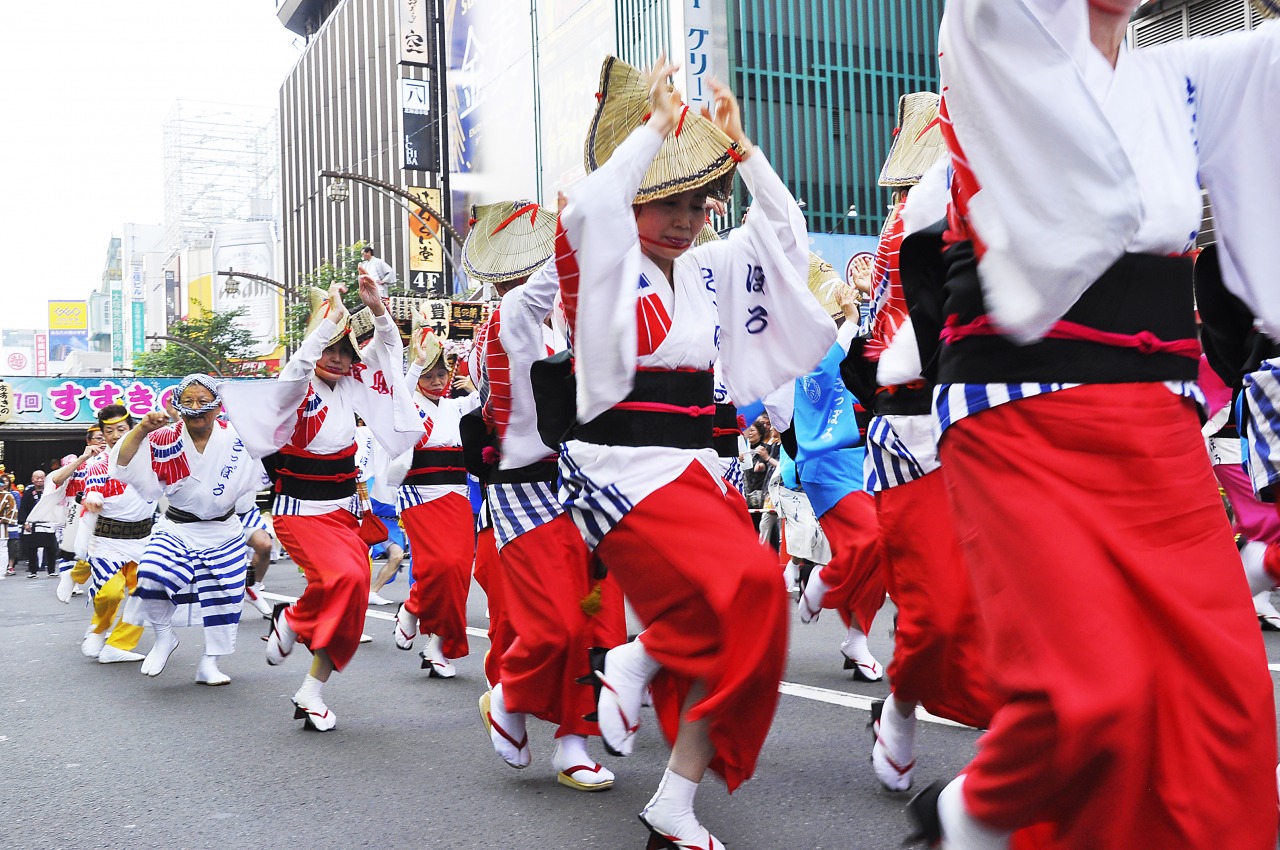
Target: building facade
{"type": "Point", "coordinates": [342, 109]}
{"type": "Point", "coordinates": [819, 81]}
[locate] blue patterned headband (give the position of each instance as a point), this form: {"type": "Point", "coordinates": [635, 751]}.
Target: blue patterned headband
{"type": "Point", "coordinates": [204, 381]}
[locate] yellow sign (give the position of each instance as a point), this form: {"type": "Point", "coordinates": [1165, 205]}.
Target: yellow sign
{"type": "Point", "coordinates": [425, 252]}
{"type": "Point", "coordinates": [68, 315]}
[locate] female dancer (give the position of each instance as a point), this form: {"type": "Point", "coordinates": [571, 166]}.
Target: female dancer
{"type": "Point", "coordinates": [1120, 626]}
{"type": "Point", "coordinates": [641, 478]}
{"type": "Point", "coordinates": [436, 512]}
{"type": "Point", "coordinates": [303, 426]}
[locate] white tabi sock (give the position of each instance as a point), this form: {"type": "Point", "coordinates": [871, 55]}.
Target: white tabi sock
{"type": "Point", "coordinates": [309, 696]}
{"type": "Point", "coordinates": [670, 812]}
{"type": "Point", "coordinates": [1253, 556]}
{"type": "Point", "coordinates": [961, 830]}
{"type": "Point", "coordinates": [891, 757]}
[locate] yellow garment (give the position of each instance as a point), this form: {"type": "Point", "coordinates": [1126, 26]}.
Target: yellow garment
{"type": "Point", "coordinates": [80, 572]}
{"type": "Point", "coordinates": [107, 606]}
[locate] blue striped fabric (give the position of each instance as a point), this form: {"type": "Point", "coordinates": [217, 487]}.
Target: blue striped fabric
{"type": "Point", "coordinates": [520, 508]}
{"type": "Point", "coordinates": [1260, 418]}
{"type": "Point", "coordinates": [207, 585]}
{"type": "Point", "coordinates": [890, 462]}
{"type": "Point", "coordinates": [101, 571]}
{"type": "Point", "coordinates": [252, 521]}
{"type": "Point", "coordinates": [953, 402]}
{"type": "Point", "coordinates": [289, 506]}
{"type": "Point", "coordinates": [731, 472]}
{"type": "Point", "coordinates": [594, 510]}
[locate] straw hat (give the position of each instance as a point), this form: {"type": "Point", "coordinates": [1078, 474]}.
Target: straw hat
{"type": "Point", "coordinates": [705, 235]}
{"type": "Point", "coordinates": [508, 240]}
{"type": "Point", "coordinates": [695, 155]}
{"type": "Point", "coordinates": [824, 283]}
{"type": "Point", "coordinates": [917, 141]}
{"type": "Point", "coordinates": [319, 300]}
{"type": "Point", "coordinates": [1268, 8]}
{"type": "Point", "coordinates": [425, 340]}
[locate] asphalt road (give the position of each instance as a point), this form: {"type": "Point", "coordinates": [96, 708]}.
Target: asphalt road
{"type": "Point", "coordinates": [98, 755]}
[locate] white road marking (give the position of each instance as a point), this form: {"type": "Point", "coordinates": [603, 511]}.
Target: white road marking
{"type": "Point", "coordinates": [808, 692]}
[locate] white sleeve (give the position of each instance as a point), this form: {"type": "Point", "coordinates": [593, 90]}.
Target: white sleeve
{"type": "Point", "coordinates": [1237, 89]}
{"type": "Point", "coordinates": [139, 473]}
{"type": "Point", "coordinates": [603, 251]}
{"type": "Point", "coordinates": [772, 329]}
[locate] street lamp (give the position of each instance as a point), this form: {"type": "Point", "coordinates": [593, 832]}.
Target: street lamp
{"type": "Point", "coordinates": [198, 351]}
{"type": "Point", "coordinates": [232, 285]}
{"type": "Point", "coordinates": [338, 192]}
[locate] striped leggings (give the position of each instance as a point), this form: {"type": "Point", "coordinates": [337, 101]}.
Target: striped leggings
{"type": "Point", "coordinates": [185, 586]}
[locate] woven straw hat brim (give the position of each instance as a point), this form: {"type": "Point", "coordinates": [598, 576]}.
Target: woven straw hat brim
{"type": "Point", "coordinates": [918, 143]}
{"type": "Point", "coordinates": [423, 339]}
{"type": "Point", "coordinates": [318, 300]}
{"type": "Point", "coordinates": [824, 283]}
{"type": "Point", "coordinates": [1268, 8]}
{"type": "Point", "coordinates": [508, 240]}
{"type": "Point", "coordinates": [705, 235]}
{"type": "Point", "coordinates": [696, 155]}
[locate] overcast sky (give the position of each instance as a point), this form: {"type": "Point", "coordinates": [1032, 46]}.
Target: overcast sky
{"type": "Point", "coordinates": [84, 88]}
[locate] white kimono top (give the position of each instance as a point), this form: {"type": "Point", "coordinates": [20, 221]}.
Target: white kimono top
{"type": "Point", "coordinates": [439, 430]}
{"type": "Point", "coordinates": [120, 501]}
{"type": "Point", "coordinates": [1060, 172]}
{"type": "Point", "coordinates": [744, 299]}
{"type": "Point", "coordinates": [302, 411]}
{"type": "Point", "coordinates": [207, 484]}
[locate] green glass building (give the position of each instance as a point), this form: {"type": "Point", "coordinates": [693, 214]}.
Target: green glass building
{"type": "Point", "coordinates": [820, 81]}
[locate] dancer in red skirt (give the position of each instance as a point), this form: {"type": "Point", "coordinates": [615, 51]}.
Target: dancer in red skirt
{"type": "Point", "coordinates": [640, 476]}
{"type": "Point", "coordinates": [557, 609]}
{"type": "Point", "coordinates": [304, 427]}
{"type": "Point", "coordinates": [436, 512]}
{"type": "Point", "coordinates": [1136, 707]}
{"type": "Point", "coordinates": [938, 647]}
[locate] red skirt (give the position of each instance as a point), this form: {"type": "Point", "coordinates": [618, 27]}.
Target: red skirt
{"type": "Point", "coordinates": [1139, 708]}
{"type": "Point", "coordinates": [330, 613]}
{"type": "Point", "coordinates": [855, 581]}
{"type": "Point", "coordinates": [443, 544]}
{"type": "Point", "coordinates": [938, 649]}
{"type": "Point", "coordinates": [715, 611]}
{"type": "Point", "coordinates": [488, 573]}
{"type": "Point", "coordinates": [547, 574]}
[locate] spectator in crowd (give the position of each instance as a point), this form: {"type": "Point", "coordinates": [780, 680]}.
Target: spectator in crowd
{"type": "Point", "coordinates": [37, 536]}
{"type": "Point", "coordinates": [377, 269]}
{"type": "Point", "coordinates": [10, 528]}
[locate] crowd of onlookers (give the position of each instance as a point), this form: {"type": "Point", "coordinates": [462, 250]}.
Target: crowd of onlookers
{"type": "Point", "coordinates": [34, 543]}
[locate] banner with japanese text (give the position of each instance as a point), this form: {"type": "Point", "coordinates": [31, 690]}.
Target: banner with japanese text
{"type": "Point", "coordinates": [426, 255]}
{"type": "Point", "coordinates": [57, 401]}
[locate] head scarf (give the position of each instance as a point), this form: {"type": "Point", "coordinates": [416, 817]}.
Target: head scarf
{"type": "Point", "coordinates": [204, 381]}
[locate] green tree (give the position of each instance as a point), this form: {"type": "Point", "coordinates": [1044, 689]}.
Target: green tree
{"type": "Point", "coordinates": [344, 267]}
{"type": "Point", "coordinates": [213, 338]}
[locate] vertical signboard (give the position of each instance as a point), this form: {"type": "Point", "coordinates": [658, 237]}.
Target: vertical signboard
{"type": "Point", "coordinates": [68, 329]}
{"type": "Point", "coordinates": [139, 327]}
{"type": "Point", "coordinates": [42, 354]}
{"type": "Point", "coordinates": [117, 325]}
{"type": "Point", "coordinates": [420, 148]}
{"type": "Point", "coordinates": [172, 298]}
{"type": "Point", "coordinates": [417, 31]}
{"type": "Point", "coordinates": [249, 247]}
{"type": "Point", "coordinates": [426, 255]}
{"type": "Point", "coordinates": [703, 33]}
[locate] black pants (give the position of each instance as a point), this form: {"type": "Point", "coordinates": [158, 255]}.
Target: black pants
{"type": "Point", "coordinates": [36, 542]}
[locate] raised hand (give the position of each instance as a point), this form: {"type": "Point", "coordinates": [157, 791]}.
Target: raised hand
{"type": "Point", "coordinates": [664, 101]}
{"type": "Point", "coordinates": [370, 295]}
{"type": "Point", "coordinates": [153, 421]}
{"type": "Point", "coordinates": [337, 310]}
{"type": "Point", "coordinates": [728, 115]}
